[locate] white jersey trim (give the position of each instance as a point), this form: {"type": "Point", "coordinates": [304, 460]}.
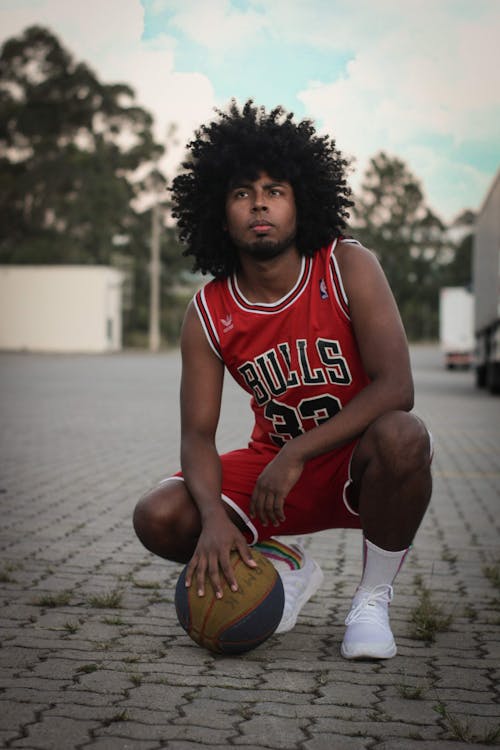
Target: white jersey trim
{"type": "Point", "coordinates": [211, 322]}
{"type": "Point", "coordinates": [271, 306]}
{"type": "Point", "coordinates": [341, 285]}
{"type": "Point", "coordinates": [339, 276]}
{"type": "Point", "coordinates": [228, 501]}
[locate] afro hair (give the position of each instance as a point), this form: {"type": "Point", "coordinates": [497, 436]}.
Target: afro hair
{"type": "Point", "coordinates": [241, 143]}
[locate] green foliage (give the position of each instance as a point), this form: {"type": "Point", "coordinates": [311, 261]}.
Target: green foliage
{"type": "Point", "coordinates": [71, 150]}
{"type": "Point", "coordinates": [415, 248]}
{"type": "Point", "coordinates": [68, 148]}
{"type": "Point", "coordinates": [428, 618]}
{"type": "Point", "coordinates": [52, 601]}
{"type": "Point", "coordinates": [108, 600]}
{"type": "Point", "coordinates": [492, 573]}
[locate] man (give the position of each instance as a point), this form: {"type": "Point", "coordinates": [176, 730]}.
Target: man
{"type": "Point", "coordinates": [306, 323]}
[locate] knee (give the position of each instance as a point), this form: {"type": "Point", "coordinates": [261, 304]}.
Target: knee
{"type": "Point", "coordinates": [164, 519]}
{"type": "Point", "coordinates": [402, 443]}
{"type": "Point", "coordinates": [147, 515]}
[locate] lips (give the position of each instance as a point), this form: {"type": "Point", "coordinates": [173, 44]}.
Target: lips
{"type": "Point", "coordinates": [260, 224]}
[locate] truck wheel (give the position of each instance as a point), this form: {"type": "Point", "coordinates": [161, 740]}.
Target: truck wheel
{"type": "Point", "coordinates": [481, 376]}
{"type": "Point", "coordinates": [493, 377]}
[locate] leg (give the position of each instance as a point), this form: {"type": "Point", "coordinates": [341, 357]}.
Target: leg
{"type": "Point", "coordinates": [392, 480]}
{"type": "Point", "coordinates": [392, 488]}
{"type": "Point", "coordinates": [167, 521]}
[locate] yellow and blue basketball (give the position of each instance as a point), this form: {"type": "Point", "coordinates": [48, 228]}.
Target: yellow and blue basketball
{"type": "Point", "coordinates": [242, 619]}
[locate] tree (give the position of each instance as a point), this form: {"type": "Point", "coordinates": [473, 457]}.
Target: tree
{"type": "Point", "coordinates": [69, 149]}
{"type": "Point", "coordinates": [78, 170]}
{"type": "Point", "coordinates": [410, 241]}
{"type": "Point", "coordinates": [458, 271]}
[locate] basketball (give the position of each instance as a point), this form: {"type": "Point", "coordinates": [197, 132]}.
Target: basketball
{"type": "Point", "coordinates": [242, 619]}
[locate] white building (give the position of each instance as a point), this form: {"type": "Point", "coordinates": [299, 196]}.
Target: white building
{"type": "Point", "coordinates": [60, 308]}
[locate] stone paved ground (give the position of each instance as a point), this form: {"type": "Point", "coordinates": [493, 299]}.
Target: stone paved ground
{"type": "Point", "coordinates": [91, 653]}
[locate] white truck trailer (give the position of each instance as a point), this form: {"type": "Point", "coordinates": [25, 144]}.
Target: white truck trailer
{"type": "Point", "coordinates": [486, 281]}
{"type": "Point", "coordinates": [456, 326]}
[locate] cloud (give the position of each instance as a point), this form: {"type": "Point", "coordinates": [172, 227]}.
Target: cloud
{"type": "Point", "coordinates": [389, 75]}
{"type": "Point", "coordinates": [108, 36]}
{"type": "Point", "coordinates": [89, 29]}
{"type": "Point", "coordinates": [449, 184]}
{"type": "Point", "coordinates": [216, 25]}
{"type": "Point", "coordinates": [427, 73]}
{"type": "Point", "coordinates": [416, 71]}
{"type": "Point", "coordinates": [420, 73]}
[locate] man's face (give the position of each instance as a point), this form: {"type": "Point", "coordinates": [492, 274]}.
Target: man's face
{"type": "Point", "coordinates": [261, 216]}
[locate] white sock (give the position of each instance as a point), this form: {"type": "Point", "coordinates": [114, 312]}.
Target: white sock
{"type": "Point", "coordinates": [380, 566]}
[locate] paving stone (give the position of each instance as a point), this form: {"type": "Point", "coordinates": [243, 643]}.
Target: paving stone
{"type": "Point", "coordinates": [331, 740]}
{"type": "Point", "coordinates": [56, 733]}
{"type": "Point", "coordinates": [92, 434]}
{"type": "Point", "coordinates": [104, 681]}
{"type": "Point", "coordinates": [271, 732]}
{"type": "Point", "coordinates": [14, 714]}
{"type": "Point", "coordinates": [166, 735]}
{"type": "Point", "coordinates": [345, 694]}
{"type": "Point", "coordinates": [211, 713]}
{"type": "Point", "coordinates": [377, 726]}
{"type": "Point", "coordinates": [441, 744]}
{"type": "Point", "coordinates": [160, 697]}
{"type": "Point", "coordinates": [290, 681]}
{"type": "Point", "coordinates": [119, 743]}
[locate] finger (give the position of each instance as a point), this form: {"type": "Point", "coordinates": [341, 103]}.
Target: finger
{"type": "Point", "coordinates": [213, 574]}
{"type": "Point", "coordinates": [257, 504]}
{"type": "Point", "coordinates": [279, 509]}
{"type": "Point", "coordinates": [252, 511]}
{"type": "Point", "coordinates": [201, 571]}
{"type": "Point", "coordinates": [190, 570]}
{"type": "Point", "coordinates": [228, 572]}
{"type": "Point", "coordinates": [245, 554]}
{"type": "Point", "coordinates": [269, 508]}
{"type": "Point", "coordinates": [265, 500]}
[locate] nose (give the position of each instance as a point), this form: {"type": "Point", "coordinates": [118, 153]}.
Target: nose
{"type": "Point", "coordinates": [259, 202]}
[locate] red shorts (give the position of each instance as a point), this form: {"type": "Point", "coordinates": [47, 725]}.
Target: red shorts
{"type": "Point", "coordinates": [318, 501]}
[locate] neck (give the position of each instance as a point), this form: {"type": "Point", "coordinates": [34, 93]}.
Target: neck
{"type": "Point", "coordinates": [270, 280]}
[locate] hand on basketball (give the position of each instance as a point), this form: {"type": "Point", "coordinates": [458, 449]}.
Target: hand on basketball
{"type": "Point", "coordinates": [212, 556]}
{"type": "Point", "coordinates": [273, 486]}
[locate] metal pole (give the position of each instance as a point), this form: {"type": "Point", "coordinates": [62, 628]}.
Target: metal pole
{"type": "Point", "coordinates": [155, 270]}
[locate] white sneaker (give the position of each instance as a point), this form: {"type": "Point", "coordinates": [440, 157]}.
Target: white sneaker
{"type": "Point", "coordinates": [299, 586]}
{"type": "Point", "coordinates": [368, 634]}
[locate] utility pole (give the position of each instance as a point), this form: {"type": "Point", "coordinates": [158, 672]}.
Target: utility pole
{"type": "Point", "coordinates": [154, 275]}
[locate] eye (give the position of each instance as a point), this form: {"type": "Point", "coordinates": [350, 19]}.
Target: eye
{"type": "Point", "coordinates": [241, 193]}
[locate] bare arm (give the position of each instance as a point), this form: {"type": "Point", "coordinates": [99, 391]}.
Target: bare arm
{"type": "Point", "coordinates": [201, 392]}
{"type": "Point", "coordinates": [384, 352]}
{"type": "Point", "coordinates": [382, 344]}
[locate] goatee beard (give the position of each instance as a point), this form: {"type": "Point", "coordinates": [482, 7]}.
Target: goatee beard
{"type": "Point", "coordinates": [266, 249]}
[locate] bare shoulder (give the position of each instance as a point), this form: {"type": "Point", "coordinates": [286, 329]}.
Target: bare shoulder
{"type": "Point", "coordinates": [195, 346]}
{"type": "Point", "coordinates": [354, 254]}
{"type": "Point", "coordinates": [193, 338]}
{"type": "Point", "coordinates": [357, 264]}
{"type": "Point", "coordinates": [191, 324]}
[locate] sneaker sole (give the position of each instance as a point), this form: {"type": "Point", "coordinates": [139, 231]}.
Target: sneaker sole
{"type": "Point", "coordinates": [370, 652]}
{"type": "Point", "coordinates": [315, 582]}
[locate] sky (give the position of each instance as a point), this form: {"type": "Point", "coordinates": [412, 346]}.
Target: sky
{"type": "Point", "coordinates": [418, 80]}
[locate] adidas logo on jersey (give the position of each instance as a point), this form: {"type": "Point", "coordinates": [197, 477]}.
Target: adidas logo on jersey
{"type": "Point", "coordinates": [227, 322]}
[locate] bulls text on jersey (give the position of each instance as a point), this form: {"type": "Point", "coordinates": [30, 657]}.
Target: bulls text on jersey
{"type": "Point", "coordinates": [270, 374]}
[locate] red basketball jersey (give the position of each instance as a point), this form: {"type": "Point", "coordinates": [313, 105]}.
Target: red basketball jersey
{"type": "Point", "coordinates": [297, 357]}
